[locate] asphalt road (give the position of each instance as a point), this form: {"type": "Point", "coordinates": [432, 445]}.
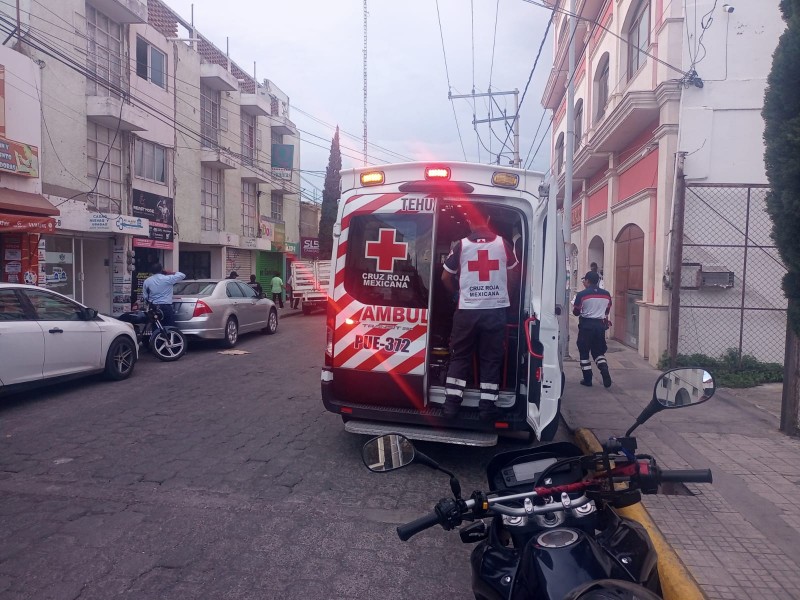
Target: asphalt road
{"type": "Point", "coordinates": [216, 477]}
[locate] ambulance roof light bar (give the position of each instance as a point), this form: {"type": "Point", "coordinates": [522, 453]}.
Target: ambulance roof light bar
{"type": "Point", "coordinates": [372, 178]}
{"type": "Point", "coordinates": [437, 173]}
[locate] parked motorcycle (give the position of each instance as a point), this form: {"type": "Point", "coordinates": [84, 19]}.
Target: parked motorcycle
{"type": "Point", "coordinates": [167, 342]}
{"type": "Point", "coordinates": [553, 533]}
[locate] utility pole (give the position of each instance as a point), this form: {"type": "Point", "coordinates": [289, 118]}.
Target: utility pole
{"type": "Point", "coordinates": [514, 118]}
{"type": "Point", "coordinates": [676, 258]}
{"type": "Point", "coordinates": [365, 82]}
{"type": "Point", "coordinates": [570, 141]}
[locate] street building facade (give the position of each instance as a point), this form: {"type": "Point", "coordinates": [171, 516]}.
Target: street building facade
{"type": "Point", "coordinates": [658, 90]}
{"type": "Point", "coordinates": [157, 147]}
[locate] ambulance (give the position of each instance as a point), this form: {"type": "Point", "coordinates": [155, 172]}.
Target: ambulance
{"type": "Point", "coordinates": [389, 316]}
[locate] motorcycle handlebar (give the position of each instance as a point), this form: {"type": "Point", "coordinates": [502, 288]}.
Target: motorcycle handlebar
{"type": "Point", "coordinates": [405, 532]}
{"type": "Point", "coordinates": [686, 476]}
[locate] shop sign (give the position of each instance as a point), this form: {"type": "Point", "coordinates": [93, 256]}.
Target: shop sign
{"type": "Point", "coordinates": [18, 158]}
{"type": "Point", "coordinates": [27, 224]}
{"type": "Point", "coordinates": [292, 248]}
{"type": "Point", "coordinates": [279, 173]}
{"type": "Point", "coordinates": [274, 231]}
{"type": "Point", "coordinates": [75, 217]}
{"type": "Point", "coordinates": [149, 243]}
{"type": "Point", "coordinates": [159, 211]}
{"type": "Point", "coordinates": [249, 242]}
{"type": "Point", "coordinates": [309, 247]}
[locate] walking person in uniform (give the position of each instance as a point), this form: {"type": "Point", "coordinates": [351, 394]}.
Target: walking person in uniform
{"type": "Point", "coordinates": [592, 305]}
{"type": "Point", "coordinates": [477, 269]}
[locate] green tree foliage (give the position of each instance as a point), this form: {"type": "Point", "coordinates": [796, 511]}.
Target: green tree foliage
{"type": "Point", "coordinates": [330, 199]}
{"type": "Point", "coordinates": [782, 157]}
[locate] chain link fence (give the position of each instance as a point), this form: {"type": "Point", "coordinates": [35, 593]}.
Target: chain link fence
{"type": "Point", "coordinates": [731, 301]}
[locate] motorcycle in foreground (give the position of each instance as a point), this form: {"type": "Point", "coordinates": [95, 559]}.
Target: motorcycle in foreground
{"type": "Point", "coordinates": [167, 342]}
{"type": "Point", "coordinates": [553, 533]}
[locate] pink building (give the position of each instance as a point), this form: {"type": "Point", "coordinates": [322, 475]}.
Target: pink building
{"type": "Point", "coordinates": [650, 83]}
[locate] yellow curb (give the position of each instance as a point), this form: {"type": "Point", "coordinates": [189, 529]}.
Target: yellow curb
{"type": "Point", "coordinates": [676, 581]}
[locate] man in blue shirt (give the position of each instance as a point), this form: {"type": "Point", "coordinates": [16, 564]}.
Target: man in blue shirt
{"type": "Point", "coordinates": [157, 290]}
{"type": "Point", "coordinates": [592, 305]}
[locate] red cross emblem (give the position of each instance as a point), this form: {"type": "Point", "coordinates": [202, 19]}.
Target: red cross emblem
{"type": "Point", "coordinates": [483, 265]}
{"type": "Point", "coordinates": [386, 250]}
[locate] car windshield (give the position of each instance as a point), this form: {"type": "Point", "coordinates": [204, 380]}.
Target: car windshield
{"type": "Point", "coordinates": [194, 288]}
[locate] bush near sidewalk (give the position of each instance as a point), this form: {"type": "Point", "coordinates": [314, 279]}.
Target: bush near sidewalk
{"type": "Point", "coordinates": [728, 370]}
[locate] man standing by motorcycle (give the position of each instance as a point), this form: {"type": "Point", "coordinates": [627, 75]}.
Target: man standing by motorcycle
{"type": "Point", "coordinates": [592, 306]}
{"type": "Point", "coordinates": [477, 268]}
{"type": "Point", "coordinates": [157, 290]}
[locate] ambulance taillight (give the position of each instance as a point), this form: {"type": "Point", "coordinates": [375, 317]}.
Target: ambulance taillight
{"type": "Point", "coordinates": [437, 173]}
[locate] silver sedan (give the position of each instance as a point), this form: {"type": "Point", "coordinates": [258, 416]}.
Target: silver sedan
{"type": "Point", "coordinates": [221, 309]}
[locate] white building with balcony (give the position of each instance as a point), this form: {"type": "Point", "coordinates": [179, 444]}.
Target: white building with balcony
{"type": "Point", "coordinates": [156, 148]}
{"type": "Point", "coordinates": [651, 81]}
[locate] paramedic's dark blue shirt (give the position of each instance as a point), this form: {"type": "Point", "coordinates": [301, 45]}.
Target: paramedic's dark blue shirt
{"type": "Point", "coordinates": [592, 305]}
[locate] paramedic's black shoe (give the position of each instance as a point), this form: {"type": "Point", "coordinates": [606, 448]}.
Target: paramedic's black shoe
{"type": "Point", "coordinates": [606, 377]}
{"type": "Point", "coordinates": [450, 409]}
{"type": "Point", "coordinates": [488, 411]}
{"type": "Point", "coordinates": [586, 383]}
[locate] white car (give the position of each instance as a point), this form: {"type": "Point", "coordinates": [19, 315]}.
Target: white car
{"type": "Point", "coordinates": [46, 337]}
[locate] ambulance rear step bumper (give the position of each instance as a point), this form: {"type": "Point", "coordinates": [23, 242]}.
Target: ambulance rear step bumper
{"type": "Point", "coordinates": [427, 434]}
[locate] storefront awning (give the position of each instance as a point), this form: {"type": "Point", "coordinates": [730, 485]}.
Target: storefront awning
{"type": "Point", "coordinates": [26, 203]}
{"type": "Point", "coordinates": [26, 224]}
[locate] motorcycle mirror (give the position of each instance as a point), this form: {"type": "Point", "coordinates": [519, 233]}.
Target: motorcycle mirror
{"type": "Point", "coordinates": [677, 388]}
{"type": "Point", "coordinates": [388, 452]}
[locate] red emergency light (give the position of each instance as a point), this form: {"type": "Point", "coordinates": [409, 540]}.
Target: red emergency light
{"type": "Point", "coordinates": [437, 173]}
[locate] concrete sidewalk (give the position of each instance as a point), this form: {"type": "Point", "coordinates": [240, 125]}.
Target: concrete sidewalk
{"type": "Point", "coordinates": [740, 537]}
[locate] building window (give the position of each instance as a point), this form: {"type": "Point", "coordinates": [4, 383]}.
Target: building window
{"type": "Point", "coordinates": [276, 206]}
{"type": "Point", "coordinates": [209, 117]}
{"type": "Point", "coordinates": [559, 153]}
{"type": "Point", "coordinates": [638, 37]}
{"type": "Point", "coordinates": [249, 218]}
{"type": "Point", "coordinates": [151, 63]}
{"type": "Point", "coordinates": [578, 123]}
{"type": "Point", "coordinates": [104, 165]}
{"type": "Point", "coordinates": [103, 53]}
{"type": "Point", "coordinates": [248, 138]}
{"type": "Point", "coordinates": [601, 88]}
{"type": "Point", "coordinates": [150, 161]}
{"type": "Point", "coordinates": [562, 32]}
{"type": "Point", "coordinates": [211, 198]}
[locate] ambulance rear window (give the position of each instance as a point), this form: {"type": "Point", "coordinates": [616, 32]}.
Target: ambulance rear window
{"type": "Point", "coordinates": [389, 259]}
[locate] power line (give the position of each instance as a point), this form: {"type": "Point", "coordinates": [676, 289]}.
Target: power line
{"type": "Point", "coordinates": [449, 87]}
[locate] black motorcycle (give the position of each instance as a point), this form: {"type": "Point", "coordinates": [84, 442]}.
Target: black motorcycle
{"type": "Point", "coordinates": [167, 342]}
{"type": "Point", "coordinates": [553, 533]}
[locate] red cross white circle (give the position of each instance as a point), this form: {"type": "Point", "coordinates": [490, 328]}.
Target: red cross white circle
{"type": "Point", "coordinates": [386, 250]}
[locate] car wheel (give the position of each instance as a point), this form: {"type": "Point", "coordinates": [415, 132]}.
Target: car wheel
{"type": "Point", "coordinates": [121, 359]}
{"type": "Point", "coordinates": [231, 333]}
{"type": "Point", "coordinates": [272, 323]}
{"type": "Point", "coordinates": [168, 345]}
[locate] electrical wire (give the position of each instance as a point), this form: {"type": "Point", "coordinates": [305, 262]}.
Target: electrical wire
{"type": "Point", "coordinates": [449, 87]}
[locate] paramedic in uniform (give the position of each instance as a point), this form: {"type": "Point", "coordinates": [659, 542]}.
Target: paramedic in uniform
{"type": "Point", "coordinates": [592, 305]}
{"type": "Point", "coordinates": [477, 269]}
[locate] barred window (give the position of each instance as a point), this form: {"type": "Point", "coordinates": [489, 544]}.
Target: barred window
{"type": "Point", "coordinates": [150, 161]}
{"type": "Point", "coordinates": [103, 52]}
{"type": "Point", "coordinates": [276, 211]}
{"type": "Point", "coordinates": [212, 199]}
{"type": "Point", "coordinates": [209, 116]}
{"type": "Point", "coordinates": [100, 144]}
{"type": "Point", "coordinates": [249, 218]}
{"type": "Point", "coordinates": [248, 138]}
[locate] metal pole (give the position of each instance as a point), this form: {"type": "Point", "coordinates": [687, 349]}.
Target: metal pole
{"type": "Point", "coordinates": [570, 145]}
{"type": "Point", "coordinates": [676, 258]}
{"type": "Point", "coordinates": [516, 129]}
{"type": "Point", "coordinates": [19, 28]}
{"type": "Point", "coordinates": [744, 278]}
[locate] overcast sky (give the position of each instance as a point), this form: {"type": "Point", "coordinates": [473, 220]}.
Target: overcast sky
{"type": "Point", "coordinates": [312, 49]}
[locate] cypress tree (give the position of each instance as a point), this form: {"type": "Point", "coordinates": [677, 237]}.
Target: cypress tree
{"type": "Point", "coordinates": [782, 159]}
{"type": "Point", "coordinates": [330, 199]}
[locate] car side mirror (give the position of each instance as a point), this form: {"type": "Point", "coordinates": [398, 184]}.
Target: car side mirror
{"type": "Point", "coordinates": [89, 314]}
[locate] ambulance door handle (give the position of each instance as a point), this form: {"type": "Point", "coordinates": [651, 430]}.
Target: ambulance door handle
{"type": "Point", "coordinates": [528, 322]}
